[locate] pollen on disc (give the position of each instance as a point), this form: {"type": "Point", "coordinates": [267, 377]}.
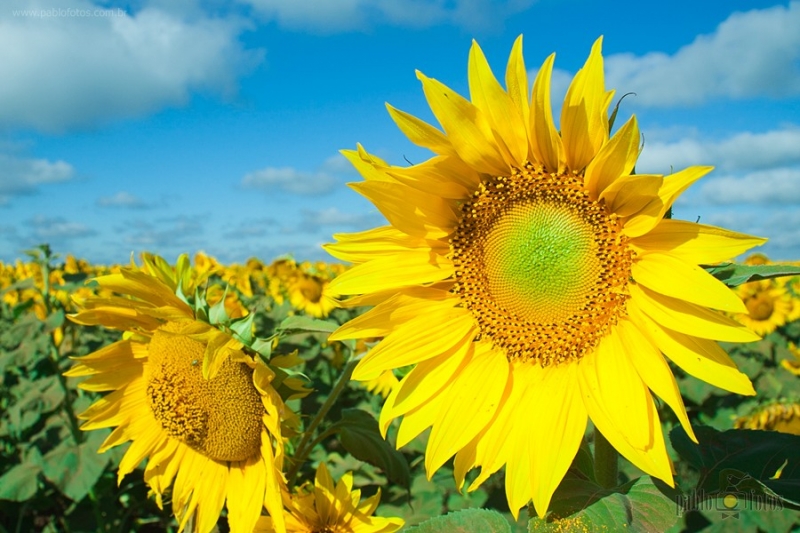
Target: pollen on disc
{"type": "Point", "coordinates": [541, 261]}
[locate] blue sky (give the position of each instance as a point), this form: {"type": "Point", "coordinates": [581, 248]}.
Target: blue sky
{"type": "Point", "coordinates": [184, 125]}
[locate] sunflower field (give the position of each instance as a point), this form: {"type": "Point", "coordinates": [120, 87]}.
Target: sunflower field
{"type": "Point", "coordinates": [532, 343]}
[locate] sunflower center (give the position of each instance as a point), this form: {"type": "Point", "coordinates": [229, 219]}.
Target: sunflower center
{"type": "Point", "coordinates": [540, 265]}
{"type": "Point", "coordinates": [311, 290]}
{"type": "Point", "coordinates": [220, 417]}
{"type": "Point", "coordinates": [760, 306]}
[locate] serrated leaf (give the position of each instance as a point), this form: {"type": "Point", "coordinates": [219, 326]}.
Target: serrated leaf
{"type": "Point", "coordinates": [74, 469]}
{"type": "Point", "coordinates": [734, 274]}
{"type": "Point", "coordinates": [638, 506]}
{"type": "Point", "coordinates": [20, 483]}
{"type": "Point", "coordinates": [360, 436]}
{"type": "Point", "coordinates": [307, 323]}
{"type": "Point", "coordinates": [465, 521]}
{"type": "Point", "coordinates": [743, 460]}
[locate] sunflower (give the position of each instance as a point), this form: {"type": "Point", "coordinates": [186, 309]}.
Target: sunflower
{"type": "Point", "coordinates": [534, 282]}
{"type": "Point", "coordinates": [781, 417]}
{"type": "Point", "coordinates": [190, 397]}
{"type": "Point", "coordinates": [769, 306]}
{"type": "Point", "coordinates": [331, 509]}
{"type": "Point", "coordinates": [310, 293]}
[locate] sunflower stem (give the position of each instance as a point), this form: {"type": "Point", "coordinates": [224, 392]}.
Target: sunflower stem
{"type": "Point", "coordinates": [606, 461]}
{"type": "Point", "coordinates": [304, 448]}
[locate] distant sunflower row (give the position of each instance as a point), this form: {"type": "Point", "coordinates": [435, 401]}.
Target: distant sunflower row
{"type": "Point", "coordinates": [303, 284]}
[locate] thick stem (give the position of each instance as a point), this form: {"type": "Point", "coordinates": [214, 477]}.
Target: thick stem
{"type": "Point", "coordinates": [606, 461]}
{"type": "Point", "coordinates": [304, 449]}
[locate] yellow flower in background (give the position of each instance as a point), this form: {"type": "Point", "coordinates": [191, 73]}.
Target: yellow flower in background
{"type": "Point", "coordinates": [329, 508]}
{"type": "Point", "coordinates": [383, 384]}
{"type": "Point", "coordinates": [194, 403]}
{"type": "Point", "coordinates": [310, 293]}
{"type": "Point", "coordinates": [769, 306]}
{"type": "Point", "coordinates": [792, 366]}
{"type": "Point", "coordinates": [781, 417]}
{"type": "Point", "coordinates": [534, 282]}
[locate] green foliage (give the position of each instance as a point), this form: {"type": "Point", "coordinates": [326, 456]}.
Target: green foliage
{"type": "Point", "coordinates": [466, 521]}
{"type": "Point", "coordinates": [735, 274]}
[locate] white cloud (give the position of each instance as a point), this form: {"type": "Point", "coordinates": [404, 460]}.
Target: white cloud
{"type": "Point", "coordinates": [293, 181]}
{"type": "Point", "coordinates": [329, 16]}
{"type": "Point", "coordinates": [744, 151]}
{"type": "Point", "coordinates": [60, 72]}
{"type": "Point", "coordinates": [750, 54]}
{"type": "Point", "coordinates": [57, 229]}
{"type": "Point", "coordinates": [23, 176]}
{"type": "Point", "coordinates": [121, 199]}
{"type": "Point", "coordinates": [779, 186]}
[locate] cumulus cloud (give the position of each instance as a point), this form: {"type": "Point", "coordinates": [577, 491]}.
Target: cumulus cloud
{"type": "Point", "coordinates": [61, 72]}
{"type": "Point", "coordinates": [769, 187]}
{"type": "Point", "coordinates": [293, 181]}
{"type": "Point", "coordinates": [330, 16]}
{"type": "Point", "coordinates": [333, 217]}
{"type": "Point", "coordinates": [743, 151]}
{"type": "Point", "coordinates": [169, 234]}
{"type": "Point", "coordinates": [57, 229]}
{"type": "Point", "coordinates": [121, 199]}
{"type": "Point", "coordinates": [20, 176]}
{"type": "Point", "coordinates": [750, 54]}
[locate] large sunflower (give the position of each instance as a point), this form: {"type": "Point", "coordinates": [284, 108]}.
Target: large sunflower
{"type": "Point", "coordinates": [191, 399]}
{"type": "Point", "coordinates": [534, 282]}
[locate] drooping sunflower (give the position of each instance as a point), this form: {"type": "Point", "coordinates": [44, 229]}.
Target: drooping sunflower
{"type": "Point", "coordinates": [194, 402]}
{"type": "Point", "coordinates": [783, 417]}
{"type": "Point", "coordinates": [330, 508]}
{"type": "Point", "coordinates": [768, 303]}
{"type": "Point", "coordinates": [534, 282]}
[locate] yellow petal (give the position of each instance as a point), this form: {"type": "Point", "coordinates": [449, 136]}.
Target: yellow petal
{"type": "Point", "coordinates": [653, 369]}
{"type": "Point", "coordinates": [469, 404]}
{"type": "Point", "coordinates": [628, 195]}
{"type": "Point", "coordinates": [673, 277]}
{"type": "Point", "coordinates": [545, 141]}
{"type": "Point", "coordinates": [421, 133]}
{"type": "Point", "coordinates": [701, 358]}
{"type": "Point", "coordinates": [378, 242]}
{"type": "Point", "coordinates": [672, 187]}
{"type": "Point", "coordinates": [616, 158]}
{"type": "Point", "coordinates": [498, 108]}
{"type": "Point", "coordinates": [414, 267]}
{"type": "Point", "coordinates": [416, 421]}
{"type": "Point", "coordinates": [466, 127]}
{"type": "Point", "coordinates": [430, 377]}
{"type": "Point", "coordinates": [419, 214]}
{"type": "Point", "coordinates": [688, 318]}
{"type": "Point", "coordinates": [695, 243]}
{"type": "Point", "coordinates": [611, 385]}
{"type": "Point", "coordinates": [397, 310]}
{"type": "Point", "coordinates": [517, 81]}
{"type": "Point", "coordinates": [557, 430]}
{"type": "Point", "coordinates": [584, 116]}
{"type": "Point", "coordinates": [210, 496]}
{"type": "Point", "coordinates": [518, 475]}
{"type": "Point", "coordinates": [411, 342]}
{"type": "Point", "coordinates": [448, 177]}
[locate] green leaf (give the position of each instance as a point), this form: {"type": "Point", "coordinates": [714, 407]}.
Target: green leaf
{"type": "Point", "coordinates": [20, 483]}
{"type": "Point", "coordinates": [360, 436]}
{"type": "Point", "coordinates": [465, 521]}
{"type": "Point", "coordinates": [75, 469]}
{"type": "Point", "coordinates": [743, 462]}
{"type": "Point", "coordinates": [638, 506]}
{"type": "Point", "coordinates": [55, 320]}
{"type": "Point", "coordinates": [307, 323]}
{"type": "Point", "coordinates": [734, 274]}
{"type": "Point", "coordinates": [242, 328]}
{"type": "Point", "coordinates": [217, 314]}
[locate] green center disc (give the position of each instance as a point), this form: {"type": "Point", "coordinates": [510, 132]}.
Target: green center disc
{"type": "Point", "coordinates": [541, 261]}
